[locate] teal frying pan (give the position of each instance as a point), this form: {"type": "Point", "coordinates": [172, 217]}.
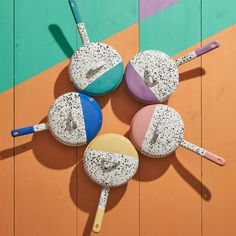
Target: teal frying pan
{"type": "Point", "coordinates": [95, 68]}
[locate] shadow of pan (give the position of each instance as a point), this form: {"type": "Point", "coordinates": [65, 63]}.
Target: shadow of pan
{"type": "Point", "coordinates": [87, 195]}
{"type": "Point", "coordinates": [153, 168]}
{"type": "Point", "coordinates": [61, 40]}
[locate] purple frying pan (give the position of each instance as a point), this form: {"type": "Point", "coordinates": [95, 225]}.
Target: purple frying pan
{"type": "Point", "coordinates": [152, 76]}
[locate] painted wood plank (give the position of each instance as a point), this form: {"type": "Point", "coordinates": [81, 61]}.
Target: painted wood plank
{"type": "Point", "coordinates": [170, 188]}
{"type": "Point", "coordinates": [218, 133]}
{"type": "Point", "coordinates": [122, 215]}
{"type": "Point", "coordinates": [43, 166]}
{"type": "Point", "coordinates": [7, 119]}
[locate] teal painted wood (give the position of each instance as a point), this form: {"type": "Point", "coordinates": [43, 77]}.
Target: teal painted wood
{"type": "Point", "coordinates": [6, 44]}
{"type": "Point", "coordinates": [174, 28]}
{"type": "Point", "coordinates": [43, 29]}
{"type": "Point", "coordinates": [6, 104]}
{"type": "Point", "coordinates": [39, 27]}
{"type": "Point", "coordinates": [217, 15]}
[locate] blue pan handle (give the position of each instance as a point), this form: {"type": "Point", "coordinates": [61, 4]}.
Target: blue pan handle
{"type": "Point", "coordinates": [29, 130]}
{"type": "Point", "coordinates": [75, 11]}
{"type": "Point", "coordinates": [22, 131]}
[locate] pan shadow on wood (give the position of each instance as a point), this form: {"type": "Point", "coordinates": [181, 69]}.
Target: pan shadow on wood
{"type": "Point", "coordinates": [191, 74]}
{"type": "Point", "coordinates": [85, 194]}
{"type": "Point", "coordinates": [47, 150]}
{"type": "Point", "coordinates": [123, 96]}
{"type": "Point", "coordinates": [61, 40]}
{"type": "Point", "coordinates": [18, 150]}
{"type": "Point", "coordinates": [63, 83]}
{"type": "Point", "coordinates": [153, 168]}
{"type": "Point", "coordinates": [51, 153]}
{"type": "Point", "coordinates": [123, 104]}
{"type": "Point", "coordinates": [189, 178]}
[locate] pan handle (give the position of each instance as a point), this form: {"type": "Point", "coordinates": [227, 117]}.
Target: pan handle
{"type": "Point", "coordinates": [198, 52]}
{"type": "Point", "coordinates": [204, 153]}
{"type": "Point", "coordinates": [75, 11]}
{"type": "Point", "coordinates": [101, 209]}
{"type": "Point", "coordinates": [29, 130]}
{"type": "Point", "coordinates": [79, 22]}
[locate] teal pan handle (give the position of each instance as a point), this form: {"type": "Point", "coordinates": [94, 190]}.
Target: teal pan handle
{"type": "Point", "coordinates": [80, 24]}
{"type": "Point", "coordinates": [75, 11]}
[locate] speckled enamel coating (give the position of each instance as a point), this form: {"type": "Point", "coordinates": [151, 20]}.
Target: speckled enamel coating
{"type": "Point", "coordinates": [109, 169]}
{"type": "Point", "coordinates": [66, 121]}
{"type": "Point", "coordinates": [90, 62]}
{"type": "Point", "coordinates": [193, 147]}
{"type": "Point", "coordinates": [40, 127]}
{"type": "Point", "coordinates": [157, 130]}
{"type": "Point", "coordinates": [83, 33]}
{"type": "Point", "coordinates": [103, 198]}
{"type": "Point", "coordinates": [158, 71]}
{"type": "Point", "coordinates": [164, 134]}
{"type": "Point", "coordinates": [190, 56]}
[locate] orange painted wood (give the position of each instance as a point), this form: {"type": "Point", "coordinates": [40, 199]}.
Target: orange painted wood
{"type": "Point", "coordinates": [170, 188]}
{"type": "Point", "coordinates": [218, 134]}
{"type": "Point", "coordinates": [122, 213]}
{"type": "Point", "coordinates": [6, 165]}
{"type": "Point", "coordinates": [42, 165]}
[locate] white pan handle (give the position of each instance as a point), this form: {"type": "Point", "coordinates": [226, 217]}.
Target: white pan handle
{"type": "Point", "coordinates": [29, 130]}
{"type": "Point", "coordinates": [198, 52]}
{"type": "Point", "coordinates": [79, 22]}
{"type": "Point", "coordinates": [101, 209]}
{"type": "Point", "coordinates": [202, 152]}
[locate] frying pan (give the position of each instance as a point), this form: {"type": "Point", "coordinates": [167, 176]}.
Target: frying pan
{"type": "Point", "coordinates": [110, 160]}
{"type": "Point", "coordinates": [73, 119]}
{"type": "Point", "coordinates": [95, 68]}
{"type": "Point", "coordinates": [152, 76]}
{"type": "Point", "coordinates": [158, 130]}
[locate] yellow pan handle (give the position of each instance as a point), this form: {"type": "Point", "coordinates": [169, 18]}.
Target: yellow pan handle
{"type": "Point", "coordinates": [98, 220]}
{"type": "Point", "coordinates": [101, 210]}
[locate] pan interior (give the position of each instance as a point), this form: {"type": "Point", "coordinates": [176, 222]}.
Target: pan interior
{"type": "Point", "coordinates": [107, 167]}
{"type": "Point", "coordinates": [66, 121]}
{"type": "Point", "coordinates": [159, 72]}
{"type": "Point", "coordinates": [165, 132]}
{"type": "Point", "coordinates": [91, 61]}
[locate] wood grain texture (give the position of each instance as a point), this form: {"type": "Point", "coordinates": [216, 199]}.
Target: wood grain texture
{"type": "Point", "coordinates": [7, 119]}
{"type": "Point", "coordinates": [118, 109]}
{"type": "Point", "coordinates": [218, 129]}
{"type": "Point", "coordinates": [44, 188]}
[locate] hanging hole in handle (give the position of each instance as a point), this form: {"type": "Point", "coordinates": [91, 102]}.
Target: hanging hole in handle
{"type": "Point", "coordinates": [213, 45]}
{"type": "Point", "coordinates": [97, 225]}
{"type": "Point", "coordinates": [73, 4]}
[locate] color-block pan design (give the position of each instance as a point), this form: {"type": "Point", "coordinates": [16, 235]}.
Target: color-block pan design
{"type": "Point", "coordinates": [95, 68]}
{"type": "Point", "coordinates": [110, 160]}
{"type": "Point", "coordinates": [158, 130]}
{"type": "Point", "coordinates": [74, 119]}
{"type": "Point", "coordinates": [152, 76]}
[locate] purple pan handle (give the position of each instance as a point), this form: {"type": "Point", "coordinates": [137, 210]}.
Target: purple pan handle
{"type": "Point", "coordinates": [198, 52]}
{"type": "Point", "coordinates": [207, 48]}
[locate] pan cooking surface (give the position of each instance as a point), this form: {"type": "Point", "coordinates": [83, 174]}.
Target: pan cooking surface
{"type": "Point", "coordinates": [157, 70]}
{"type": "Point", "coordinates": [90, 62]}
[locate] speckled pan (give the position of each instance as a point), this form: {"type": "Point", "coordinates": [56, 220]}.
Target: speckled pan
{"type": "Point", "coordinates": [158, 130]}
{"type": "Point", "coordinates": [152, 76]}
{"type": "Point", "coordinates": [95, 68]}
{"type": "Point", "coordinates": [73, 119]}
{"type": "Point", "coordinates": [110, 160]}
